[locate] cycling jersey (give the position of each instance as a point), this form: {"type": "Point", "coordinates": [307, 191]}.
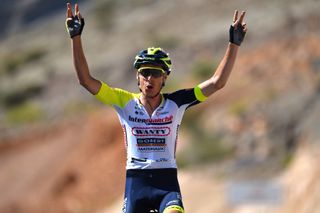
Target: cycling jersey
{"type": "Point", "coordinates": [150, 140]}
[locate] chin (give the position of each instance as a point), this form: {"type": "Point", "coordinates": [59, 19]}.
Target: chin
{"type": "Point", "coordinates": [151, 94]}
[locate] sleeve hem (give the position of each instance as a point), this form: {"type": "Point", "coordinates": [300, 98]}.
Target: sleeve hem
{"type": "Point", "coordinates": [101, 95]}
{"type": "Point", "coordinates": [199, 95]}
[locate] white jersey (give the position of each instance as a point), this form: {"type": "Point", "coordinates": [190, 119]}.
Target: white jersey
{"type": "Point", "coordinates": [150, 141]}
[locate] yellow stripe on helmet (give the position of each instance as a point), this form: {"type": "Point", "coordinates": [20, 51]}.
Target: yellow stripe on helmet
{"type": "Point", "coordinates": [174, 207]}
{"type": "Point", "coordinates": [153, 50]}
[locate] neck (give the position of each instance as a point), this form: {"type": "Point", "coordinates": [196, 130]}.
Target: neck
{"type": "Point", "coordinates": [150, 103]}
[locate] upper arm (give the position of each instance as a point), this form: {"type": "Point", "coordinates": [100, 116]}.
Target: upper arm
{"type": "Point", "coordinates": [208, 87]}
{"type": "Point", "coordinates": [92, 85]}
{"type": "Point", "coordinates": [222, 73]}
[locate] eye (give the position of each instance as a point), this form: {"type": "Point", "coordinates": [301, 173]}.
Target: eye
{"type": "Point", "coordinates": [154, 72]}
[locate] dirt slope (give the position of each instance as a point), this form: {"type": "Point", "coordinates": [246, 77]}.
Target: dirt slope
{"type": "Point", "coordinates": [204, 191]}
{"type": "Point", "coordinates": [73, 166]}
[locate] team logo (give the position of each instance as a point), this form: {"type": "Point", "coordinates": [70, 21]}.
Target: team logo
{"type": "Point", "coordinates": [152, 121]}
{"type": "Point", "coordinates": [151, 144]}
{"type": "Point", "coordinates": [151, 131]}
{"type": "Point", "coordinates": [159, 112]}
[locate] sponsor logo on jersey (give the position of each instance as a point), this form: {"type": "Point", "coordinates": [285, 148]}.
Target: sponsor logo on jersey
{"type": "Point", "coordinates": [138, 110]}
{"type": "Point", "coordinates": [159, 112]}
{"type": "Point", "coordinates": [139, 113]}
{"type": "Point", "coordinates": [162, 160]}
{"type": "Point", "coordinates": [152, 121]}
{"type": "Point", "coordinates": [151, 144]}
{"type": "Point", "coordinates": [151, 131]}
{"type": "Point", "coordinates": [138, 160]}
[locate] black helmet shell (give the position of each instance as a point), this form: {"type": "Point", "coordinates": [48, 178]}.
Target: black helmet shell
{"type": "Point", "coordinates": [155, 56]}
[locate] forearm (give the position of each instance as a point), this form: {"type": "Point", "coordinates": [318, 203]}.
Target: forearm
{"type": "Point", "coordinates": [219, 79]}
{"type": "Point", "coordinates": [79, 60]}
{"type": "Point", "coordinates": [81, 67]}
{"type": "Point", "coordinates": [222, 73]}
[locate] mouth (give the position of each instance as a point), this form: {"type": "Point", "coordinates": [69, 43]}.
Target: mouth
{"type": "Point", "coordinates": [149, 87]}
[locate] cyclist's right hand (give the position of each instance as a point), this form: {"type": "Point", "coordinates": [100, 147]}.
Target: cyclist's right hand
{"type": "Point", "coordinates": [74, 23]}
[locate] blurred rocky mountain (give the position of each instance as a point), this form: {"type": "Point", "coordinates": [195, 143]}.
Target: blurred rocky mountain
{"type": "Point", "coordinates": [16, 16]}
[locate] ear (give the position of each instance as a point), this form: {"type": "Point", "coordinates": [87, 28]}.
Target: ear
{"type": "Point", "coordinates": [137, 77]}
{"type": "Point", "coordinates": [165, 77]}
{"type": "Point", "coordinates": [164, 80]}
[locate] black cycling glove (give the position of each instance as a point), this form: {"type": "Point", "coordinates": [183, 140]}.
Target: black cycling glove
{"type": "Point", "coordinates": [236, 36]}
{"type": "Point", "coordinates": [74, 26]}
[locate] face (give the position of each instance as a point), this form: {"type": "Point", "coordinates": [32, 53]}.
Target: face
{"type": "Point", "coordinates": [151, 79]}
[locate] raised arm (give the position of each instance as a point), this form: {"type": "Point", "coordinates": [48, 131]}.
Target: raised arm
{"type": "Point", "coordinates": [75, 24]}
{"type": "Point", "coordinates": [220, 77]}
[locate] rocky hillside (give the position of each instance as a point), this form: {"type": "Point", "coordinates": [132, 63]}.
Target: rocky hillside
{"type": "Point", "coordinates": [57, 151]}
{"type": "Point", "coordinates": [16, 16]}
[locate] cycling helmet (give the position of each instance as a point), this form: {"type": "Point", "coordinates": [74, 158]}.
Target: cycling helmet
{"type": "Point", "coordinates": [155, 56]}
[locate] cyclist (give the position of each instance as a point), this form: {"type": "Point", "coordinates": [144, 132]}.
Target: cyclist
{"type": "Point", "coordinates": [151, 119]}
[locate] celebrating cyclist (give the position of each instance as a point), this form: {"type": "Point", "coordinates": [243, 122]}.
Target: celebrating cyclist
{"type": "Point", "coordinates": [151, 119]}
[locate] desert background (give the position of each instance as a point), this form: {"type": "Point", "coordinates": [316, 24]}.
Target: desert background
{"type": "Point", "coordinates": [253, 147]}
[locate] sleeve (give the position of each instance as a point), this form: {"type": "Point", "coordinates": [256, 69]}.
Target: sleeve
{"type": "Point", "coordinates": [113, 96]}
{"type": "Point", "coordinates": [199, 95]}
{"type": "Point", "coordinates": [190, 96]}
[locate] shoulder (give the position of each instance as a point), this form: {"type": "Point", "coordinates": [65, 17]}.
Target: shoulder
{"type": "Point", "coordinates": [190, 96]}
{"type": "Point", "coordinates": [114, 96]}
{"type": "Point", "coordinates": [181, 97]}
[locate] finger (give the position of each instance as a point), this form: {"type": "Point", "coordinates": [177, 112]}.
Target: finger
{"type": "Point", "coordinates": [242, 16]}
{"type": "Point", "coordinates": [69, 10]}
{"type": "Point", "coordinates": [235, 16]}
{"type": "Point", "coordinates": [235, 24]}
{"type": "Point", "coordinates": [79, 15]}
{"type": "Point", "coordinates": [77, 11]}
{"type": "Point", "coordinates": [245, 29]}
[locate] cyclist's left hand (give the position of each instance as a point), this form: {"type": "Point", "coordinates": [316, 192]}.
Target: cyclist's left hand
{"type": "Point", "coordinates": [238, 29]}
